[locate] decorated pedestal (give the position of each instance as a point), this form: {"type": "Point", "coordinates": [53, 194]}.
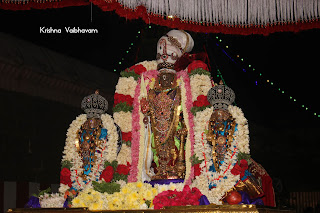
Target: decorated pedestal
{"type": "Point", "coordinates": [195, 209]}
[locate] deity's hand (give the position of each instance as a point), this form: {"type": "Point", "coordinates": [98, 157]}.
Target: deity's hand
{"type": "Point", "coordinates": [144, 105]}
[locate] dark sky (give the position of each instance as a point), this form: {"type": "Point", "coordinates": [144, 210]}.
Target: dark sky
{"type": "Point", "coordinates": [283, 133]}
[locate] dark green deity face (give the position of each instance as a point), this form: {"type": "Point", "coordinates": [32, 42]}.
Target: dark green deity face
{"type": "Point", "coordinates": [166, 80]}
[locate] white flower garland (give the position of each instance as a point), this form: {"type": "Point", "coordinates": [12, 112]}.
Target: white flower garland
{"type": "Point", "coordinates": [108, 152]}
{"type": "Point", "coordinates": [223, 180]}
{"type": "Point", "coordinates": [126, 86]}
{"type": "Point", "coordinates": [200, 85]}
{"type": "Point", "coordinates": [54, 200]}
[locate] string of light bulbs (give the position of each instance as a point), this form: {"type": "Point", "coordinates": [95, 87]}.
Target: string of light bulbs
{"type": "Point", "coordinates": [128, 50]}
{"type": "Point", "coordinates": [249, 67]}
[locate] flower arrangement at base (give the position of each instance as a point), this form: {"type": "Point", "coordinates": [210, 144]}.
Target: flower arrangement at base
{"type": "Point", "coordinates": [92, 199]}
{"type": "Point", "coordinates": [54, 200]}
{"type": "Point", "coordinates": [136, 195]}
{"type": "Point", "coordinates": [46, 199]}
{"type": "Point", "coordinates": [175, 198]}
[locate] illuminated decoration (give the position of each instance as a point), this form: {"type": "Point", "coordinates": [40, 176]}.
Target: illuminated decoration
{"type": "Point", "coordinates": [260, 76]}
{"type": "Point", "coordinates": [129, 49]}
{"type": "Point", "coordinates": [220, 16]}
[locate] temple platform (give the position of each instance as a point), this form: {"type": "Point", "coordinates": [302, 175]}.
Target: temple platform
{"type": "Point", "coordinates": [186, 209]}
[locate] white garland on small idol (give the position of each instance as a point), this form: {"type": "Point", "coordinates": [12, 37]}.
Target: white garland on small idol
{"type": "Point", "coordinates": [107, 152]}
{"type": "Point", "coordinates": [224, 180]}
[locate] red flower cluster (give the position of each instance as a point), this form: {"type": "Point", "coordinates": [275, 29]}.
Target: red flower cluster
{"type": "Point", "coordinates": [197, 64]}
{"type": "Point", "coordinates": [197, 170]}
{"type": "Point", "coordinates": [201, 101]}
{"type": "Point", "coordinates": [122, 98]}
{"type": "Point", "coordinates": [175, 198]}
{"type": "Point", "coordinates": [138, 69]}
{"type": "Point", "coordinates": [240, 169]}
{"type": "Point", "coordinates": [123, 169]}
{"type": "Point", "coordinates": [65, 177]}
{"type": "Point", "coordinates": [126, 136]}
{"type": "Point", "coordinates": [107, 174]}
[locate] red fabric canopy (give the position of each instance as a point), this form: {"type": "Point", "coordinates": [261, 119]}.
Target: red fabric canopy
{"type": "Point", "coordinates": [232, 19]}
{"type": "Point", "coordinates": [175, 22]}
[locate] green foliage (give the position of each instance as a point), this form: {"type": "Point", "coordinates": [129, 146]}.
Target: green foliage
{"type": "Point", "coordinates": [104, 187]}
{"type": "Point", "coordinates": [128, 143]}
{"type": "Point", "coordinates": [195, 160]}
{"type": "Point", "coordinates": [46, 191]}
{"type": "Point", "coordinates": [66, 164]}
{"type": "Point", "coordinates": [117, 176]}
{"type": "Point", "coordinates": [114, 164]}
{"type": "Point", "coordinates": [128, 73]}
{"type": "Point", "coordinates": [199, 71]}
{"type": "Point", "coordinates": [122, 106]}
{"type": "Point", "coordinates": [245, 156]}
{"type": "Point", "coordinates": [148, 202]}
{"type": "Point", "coordinates": [194, 110]}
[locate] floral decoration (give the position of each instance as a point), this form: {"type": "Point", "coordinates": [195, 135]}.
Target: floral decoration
{"type": "Point", "coordinates": [175, 198]}
{"type": "Point", "coordinates": [54, 200]}
{"type": "Point", "coordinates": [72, 160]}
{"type": "Point", "coordinates": [227, 177]}
{"type": "Point", "coordinates": [65, 177]}
{"type": "Point", "coordinates": [136, 195]}
{"type": "Point", "coordinates": [197, 64]}
{"type": "Point", "coordinates": [92, 199]}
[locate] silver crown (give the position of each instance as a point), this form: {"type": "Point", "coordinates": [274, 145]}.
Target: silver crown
{"type": "Point", "coordinates": [221, 96]}
{"type": "Point", "coordinates": [94, 105]}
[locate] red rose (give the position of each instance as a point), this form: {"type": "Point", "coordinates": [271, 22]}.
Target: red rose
{"type": "Point", "coordinates": [65, 177]}
{"type": "Point", "coordinates": [138, 69]}
{"type": "Point", "coordinates": [201, 101]}
{"type": "Point", "coordinates": [123, 169]}
{"type": "Point", "coordinates": [197, 170]}
{"type": "Point", "coordinates": [118, 98]}
{"type": "Point", "coordinates": [126, 136]}
{"type": "Point", "coordinates": [197, 64]}
{"type": "Point", "coordinates": [107, 174]}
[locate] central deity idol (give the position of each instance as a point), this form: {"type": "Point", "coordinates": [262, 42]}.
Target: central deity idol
{"type": "Point", "coordinates": [162, 109]}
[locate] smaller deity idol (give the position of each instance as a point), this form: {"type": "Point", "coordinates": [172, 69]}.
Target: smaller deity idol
{"type": "Point", "coordinates": [163, 113]}
{"type": "Point", "coordinates": [222, 131]}
{"type": "Point", "coordinates": [92, 140]}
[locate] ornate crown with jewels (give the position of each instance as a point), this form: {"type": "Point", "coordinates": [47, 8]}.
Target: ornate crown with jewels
{"type": "Point", "coordinates": [94, 105]}
{"type": "Point", "coordinates": [221, 96]}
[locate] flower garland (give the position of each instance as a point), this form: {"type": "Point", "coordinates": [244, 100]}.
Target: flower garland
{"type": "Point", "coordinates": [54, 200]}
{"type": "Point", "coordinates": [106, 152]}
{"type": "Point", "coordinates": [177, 198]}
{"type": "Point", "coordinates": [223, 180]}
